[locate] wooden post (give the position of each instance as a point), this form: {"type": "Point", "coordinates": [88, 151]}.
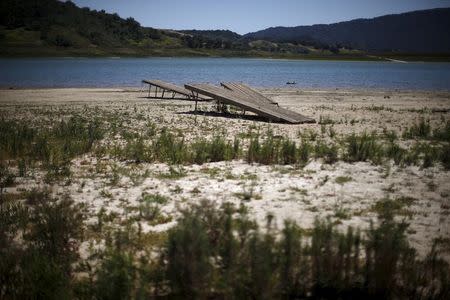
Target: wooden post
{"type": "Point", "coordinates": [149, 87]}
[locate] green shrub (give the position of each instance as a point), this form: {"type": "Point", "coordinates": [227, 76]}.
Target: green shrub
{"type": "Point", "coordinates": [288, 152]}
{"type": "Point", "coordinates": [137, 151]}
{"type": "Point", "coordinates": [215, 253]}
{"type": "Point", "coordinates": [363, 147]}
{"type": "Point", "coordinates": [442, 134]}
{"type": "Point", "coordinates": [386, 246]}
{"type": "Point", "coordinates": [396, 153]}
{"type": "Point", "coordinates": [254, 149]}
{"type": "Point", "coordinates": [57, 226]}
{"type": "Point", "coordinates": [292, 258]}
{"type": "Point", "coordinates": [199, 151]}
{"type": "Point", "coordinates": [6, 179]}
{"type": "Point", "coordinates": [40, 265]}
{"type": "Point", "coordinates": [269, 150]}
{"type": "Point", "coordinates": [115, 276]}
{"type": "Point", "coordinates": [445, 156]}
{"type": "Point", "coordinates": [430, 154]}
{"type": "Point", "coordinates": [42, 277]}
{"type": "Point", "coordinates": [304, 152]}
{"type": "Point", "coordinates": [188, 254]}
{"type": "Point", "coordinates": [155, 198]}
{"type": "Point", "coordinates": [252, 264]}
{"type": "Point", "coordinates": [168, 148]}
{"type": "Point", "coordinates": [390, 135]}
{"type": "Point", "coordinates": [343, 179]}
{"type": "Point", "coordinates": [149, 209]}
{"type": "Point", "coordinates": [263, 266]}
{"type": "Point", "coordinates": [420, 130]}
{"type": "Point", "coordinates": [329, 153]}
{"type": "Point", "coordinates": [218, 149]}
{"type": "Point", "coordinates": [54, 146]}
{"type": "Point", "coordinates": [175, 172]}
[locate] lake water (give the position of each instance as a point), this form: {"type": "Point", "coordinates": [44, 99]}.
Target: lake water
{"type": "Point", "coordinates": [111, 72]}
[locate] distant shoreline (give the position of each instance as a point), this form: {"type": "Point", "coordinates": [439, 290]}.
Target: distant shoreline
{"type": "Point", "coordinates": [315, 90]}
{"type": "Point", "coordinates": [388, 57]}
{"type": "Point", "coordinates": [334, 58]}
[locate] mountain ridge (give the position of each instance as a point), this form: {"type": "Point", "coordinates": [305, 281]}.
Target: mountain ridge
{"type": "Point", "coordinates": [56, 28]}
{"type": "Point", "coordinates": [383, 33]}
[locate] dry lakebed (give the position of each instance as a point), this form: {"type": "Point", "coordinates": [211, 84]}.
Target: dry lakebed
{"type": "Point", "coordinates": [369, 151]}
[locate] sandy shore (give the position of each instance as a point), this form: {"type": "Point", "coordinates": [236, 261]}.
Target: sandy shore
{"type": "Point", "coordinates": [288, 192]}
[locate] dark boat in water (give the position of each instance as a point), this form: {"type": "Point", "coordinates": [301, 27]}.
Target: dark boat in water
{"type": "Point", "coordinates": [291, 82]}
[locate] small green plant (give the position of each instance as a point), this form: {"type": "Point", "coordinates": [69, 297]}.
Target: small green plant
{"type": "Point", "coordinates": [189, 267]}
{"type": "Point", "coordinates": [341, 213]}
{"type": "Point", "coordinates": [265, 152]}
{"type": "Point", "coordinates": [175, 172]}
{"type": "Point", "coordinates": [421, 130]}
{"type": "Point", "coordinates": [363, 147]}
{"type": "Point", "coordinates": [6, 179]}
{"type": "Point", "coordinates": [155, 198]}
{"type": "Point", "coordinates": [329, 153]}
{"type": "Point", "coordinates": [54, 146]}
{"type": "Point", "coordinates": [115, 275]}
{"type": "Point", "coordinates": [325, 120]}
{"type": "Point", "coordinates": [343, 179]}
{"type": "Point", "coordinates": [304, 153]}
{"type": "Point", "coordinates": [137, 151]}
{"type": "Point", "coordinates": [396, 153]}
{"type": "Point", "coordinates": [442, 134]}
{"type": "Point", "coordinates": [149, 209]}
{"type": "Point", "coordinates": [288, 152]}
{"type": "Point", "coordinates": [445, 156]}
{"type": "Point", "coordinates": [387, 208]}
{"type": "Point", "coordinates": [248, 193]}
{"type": "Point", "coordinates": [41, 263]}
{"type": "Point", "coordinates": [390, 135]}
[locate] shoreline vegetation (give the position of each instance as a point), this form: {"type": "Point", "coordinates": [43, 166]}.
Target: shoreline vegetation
{"type": "Point", "coordinates": [30, 52]}
{"type": "Point", "coordinates": [104, 194]}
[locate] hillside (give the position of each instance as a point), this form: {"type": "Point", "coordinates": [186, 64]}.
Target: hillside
{"type": "Point", "coordinates": [55, 28]}
{"type": "Point", "coordinates": [214, 34]}
{"type": "Point", "coordinates": [50, 26]}
{"type": "Point", "coordinates": [424, 31]}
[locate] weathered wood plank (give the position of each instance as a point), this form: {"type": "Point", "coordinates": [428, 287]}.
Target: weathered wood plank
{"type": "Point", "coordinates": [170, 87]}
{"type": "Point", "coordinates": [248, 92]}
{"type": "Point", "coordinates": [247, 103]}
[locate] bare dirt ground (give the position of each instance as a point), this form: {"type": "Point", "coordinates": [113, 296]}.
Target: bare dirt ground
{"type": "Point", "coordinates": [347, 193]}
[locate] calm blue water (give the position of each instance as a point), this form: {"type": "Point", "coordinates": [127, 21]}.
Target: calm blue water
{"type": "Point", "coordinates": [110, 72]}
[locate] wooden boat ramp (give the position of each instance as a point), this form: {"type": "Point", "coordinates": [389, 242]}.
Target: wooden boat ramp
{"type": "Point", "coordinates": [236, 94]}
{"type": "Point", "coordinates": [246, 98]}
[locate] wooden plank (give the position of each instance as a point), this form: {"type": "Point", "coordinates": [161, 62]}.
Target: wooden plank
{"type": "Point", "coordinates": [167, 86]}
{"type": "Point", "coordinates": [238, 99]}
{"type": "Point", "coordinates": [251, 93]}
{"type": "Point", "coordinates": [246, 90]}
